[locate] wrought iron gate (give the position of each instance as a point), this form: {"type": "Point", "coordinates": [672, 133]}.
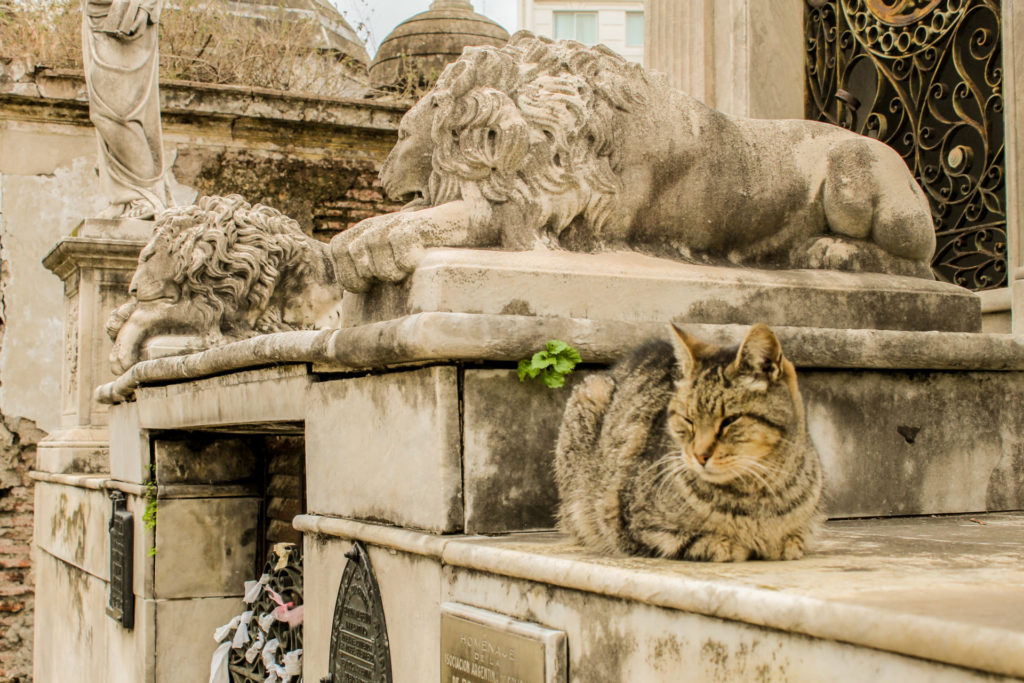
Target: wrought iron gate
{"type": "Point", "coordinates": [926, 77]}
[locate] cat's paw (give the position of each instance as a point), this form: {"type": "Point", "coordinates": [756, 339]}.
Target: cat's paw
{"type": "Point", "coordinates": [793, 548]}
{"type": "Point", "coordinates": [717, 549]}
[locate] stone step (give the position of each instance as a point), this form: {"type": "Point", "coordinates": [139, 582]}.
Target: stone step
{"type": "Point", "coordinates": [921, 598]}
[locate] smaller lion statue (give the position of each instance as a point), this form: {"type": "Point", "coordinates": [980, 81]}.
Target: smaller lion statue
{"type": "Point", "coordinates": [219, 271]}
{"type": "Point", "coordinates": [543, 144]}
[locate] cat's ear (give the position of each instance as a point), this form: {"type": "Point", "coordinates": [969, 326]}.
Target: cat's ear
{"type": "Point", "coordinates": [760, 355]}
{"type": "Point", "coordinates": [688, 349]}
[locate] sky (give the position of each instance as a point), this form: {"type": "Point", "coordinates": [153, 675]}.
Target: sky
{"type": "Point", "coordinates": [383, 15]}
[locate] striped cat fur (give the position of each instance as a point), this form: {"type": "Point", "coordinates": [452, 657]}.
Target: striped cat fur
{"type": "Point", "coordinates": [690, 451]}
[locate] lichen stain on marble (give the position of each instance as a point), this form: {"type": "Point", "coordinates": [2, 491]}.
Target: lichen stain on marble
{"type": "Point", "coordinates": [602, 654]}
{"type": "Point", "coordinates": [70, 527]}
{"type": "Point", "coordinates": [75, 594]}
{"type": "Point", "coordinates": [1006, 482]}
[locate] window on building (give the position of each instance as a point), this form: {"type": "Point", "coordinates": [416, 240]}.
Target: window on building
{"type": "Point", "coordinates": [581, 26]}
{"type": "Point", "coordinates": [634, 29]}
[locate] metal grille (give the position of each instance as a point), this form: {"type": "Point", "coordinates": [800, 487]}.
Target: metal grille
{"type": "Point", "coordinates": [287, 581]}
{"type": "Point", "coordinates": [925, 77]}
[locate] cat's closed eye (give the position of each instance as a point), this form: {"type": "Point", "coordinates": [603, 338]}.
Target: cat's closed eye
{"type": "Point", "coordinates": [726, 422]}
{"type": "Point", "coordinates": [681, 425]}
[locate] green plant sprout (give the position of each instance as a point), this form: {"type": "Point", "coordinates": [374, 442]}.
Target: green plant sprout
{"type": "Point", "coordinates": [552, 364]}
{"type": "Point", "coordinates": [149, 514]}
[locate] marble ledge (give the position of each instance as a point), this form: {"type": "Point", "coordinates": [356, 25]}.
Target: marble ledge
{"type": "Point", "coordinates": [947, 589]}
{"type": "Point", "coordinates": [438, 337]}
{"type": "Point", "coordinates": [103, 482]}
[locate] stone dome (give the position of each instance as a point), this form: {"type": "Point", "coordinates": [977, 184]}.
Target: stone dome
{"type": "Point", "coordinates": [429, 41]}
{"type": "Point", "coordinates": [334, 33]}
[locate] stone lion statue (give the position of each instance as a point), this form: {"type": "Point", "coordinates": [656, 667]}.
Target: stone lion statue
{"type": "Point", "coordinates": [219, 271]}
{"type": "Point", "coordinates": [543, 143]}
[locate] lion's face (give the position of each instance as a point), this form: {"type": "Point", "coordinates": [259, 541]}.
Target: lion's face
{"type": "Point", "coordinates": [406, 172]}
{"type": "Point", "coordinates": [154, 280]}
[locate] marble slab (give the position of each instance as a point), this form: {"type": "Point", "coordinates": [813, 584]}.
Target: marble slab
{"type": "Point", "coordinates": [629, 286]}
{"type": "Point", "coordinates": [943, 592]}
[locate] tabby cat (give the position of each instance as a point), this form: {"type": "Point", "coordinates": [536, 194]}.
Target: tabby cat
{"type": "Point", "coordinates": [691, 451]}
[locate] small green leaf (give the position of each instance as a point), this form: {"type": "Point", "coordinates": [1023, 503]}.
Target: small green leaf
{"type": "Point", "coordinates": [556, 347]}
{"type": "Point", "coordinates": [523, 369]}
{"type": "Point", "coordinates": [553, 380]}
{"type": "Point", "coordinates": [552, 364]}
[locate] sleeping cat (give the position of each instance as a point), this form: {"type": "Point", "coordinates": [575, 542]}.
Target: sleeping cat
{"type": "Point", "coordinates": [691, 451]}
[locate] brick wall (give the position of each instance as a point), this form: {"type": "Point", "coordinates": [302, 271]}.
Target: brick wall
{"type": "Point", "coordinates": [18, 438]}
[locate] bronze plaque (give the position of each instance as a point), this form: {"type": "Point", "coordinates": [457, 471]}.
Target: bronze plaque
{"type": "Point", "coordinates": [478, 646]}
{"type": "Point", "coordinates": [121, 601]}
{"type": "Point", "coordinates": [360, 652]}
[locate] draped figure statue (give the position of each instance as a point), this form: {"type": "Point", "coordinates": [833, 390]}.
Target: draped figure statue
{"type": "Point", "coordinates": [119, 46]}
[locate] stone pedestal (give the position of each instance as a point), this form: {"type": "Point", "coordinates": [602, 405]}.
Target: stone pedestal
{"type": "Point", "coordinates": [96, 263]}
{"type": "Point", "coordinates": [632, 287]}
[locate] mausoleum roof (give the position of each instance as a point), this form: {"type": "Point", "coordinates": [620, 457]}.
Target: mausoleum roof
{"type": "Point", "coordinates": [335, 33]}
{"type": "Point", "coordinates": [428, 41]}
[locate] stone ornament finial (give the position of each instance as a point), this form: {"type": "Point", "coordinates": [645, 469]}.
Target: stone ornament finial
{"type": "Point", "coordinates": [219, 271]}
{"type": "Point", "coordinates": [452, 4]}
{"type": "Point", "coordinates": [119, 49]}
{"type": "Point", "coordinates": [544, 143]}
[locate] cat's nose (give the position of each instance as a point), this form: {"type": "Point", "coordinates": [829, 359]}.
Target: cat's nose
{"type": "Point", "coordinates": [703, 458]}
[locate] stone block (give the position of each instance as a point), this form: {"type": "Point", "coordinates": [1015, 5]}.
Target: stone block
{"type": "Point", "coordinates": [130, 456]}
{"type": "Point", "coordinates": [270, 395]}
{"type": "Point", "coordinates": [621, 640]}
{"type": "Point", "coordinates": [184, 636]}
{"type": "Point", "coordinates": [130, 651]}
{"type": "Point", "coordinates": [202, 458]}
{"type": "Point", "coordinates": [71, 623]}
{"type": "Point", "coordinates": [410, 588]}
{"type": "Point", "coordinates": [914, 443]}
{"type": "Point", "coordinates": [632, 287]}
{"type": "Point", "coordinates": [205, 547]}
{"type": "Point", "coordinates": [510, 429]}
{"type": "Point", "coordinates": [387, 448]}
{"type": "Point", "coordinates": [71, 525]}
{"type": "Point", "coordinates": [76, 450]}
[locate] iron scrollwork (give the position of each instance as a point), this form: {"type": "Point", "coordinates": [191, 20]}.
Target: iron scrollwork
{"type": "Point", "coordinates": [925, 77]}
{"type": "Point", "coordinates": [285, 580]}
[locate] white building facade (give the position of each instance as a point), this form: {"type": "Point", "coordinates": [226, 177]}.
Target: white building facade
{"type": "Point", "coordinates": [618, 24]}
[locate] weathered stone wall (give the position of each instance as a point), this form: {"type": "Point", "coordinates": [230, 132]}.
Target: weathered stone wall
{"type": "Point", "coordinates": [316, 159]}
{"type": "Point", "coordinates": [18, 439]}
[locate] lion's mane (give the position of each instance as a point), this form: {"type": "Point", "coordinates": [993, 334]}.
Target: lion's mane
{"type": "Point", "coordinates": [531, 123]}
{"type": "Point", "coordinates": [229, 257]}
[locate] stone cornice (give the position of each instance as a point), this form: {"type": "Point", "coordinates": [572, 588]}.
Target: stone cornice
{"type": "Point", "coordinates": [58, 95]}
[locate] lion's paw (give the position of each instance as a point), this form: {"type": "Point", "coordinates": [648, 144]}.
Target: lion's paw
{"type": "Point", "coordinates": [830, 253]}
{"type": "Point", "coordinates": [380, 248]}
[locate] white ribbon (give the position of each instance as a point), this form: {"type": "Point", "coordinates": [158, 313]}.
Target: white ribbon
{"type": "Point", "coordinates": [268, 654]}
{"type": "Point", "coordinates": [274, 670]}
{"type": "Point", "coordinates": [219, 663]}
{"type": "Point", "coordinates": [293, 662]}
{"type": "Point", "coordinates": [266, 621]}
{"type": "Point", "coordinates": [242, 634]}
{"type": "Point", "coordinates": [254, 588]}
{"type": "Point", "coordinates": [222, 632]}
{"type": "Point", "coordinates": [254, 650]}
